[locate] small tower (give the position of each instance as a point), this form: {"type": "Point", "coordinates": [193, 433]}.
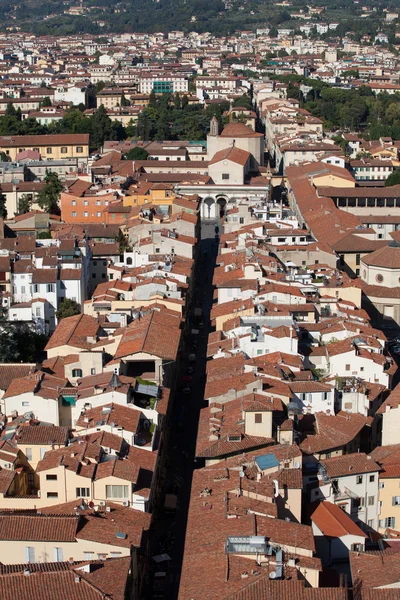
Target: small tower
{"type": "Point", "coordinates": [214, 126]}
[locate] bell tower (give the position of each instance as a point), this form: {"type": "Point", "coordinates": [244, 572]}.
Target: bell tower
{"type": "Point", "coordinates": [214, 126]}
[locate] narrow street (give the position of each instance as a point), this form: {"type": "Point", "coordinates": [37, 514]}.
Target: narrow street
{"type": "Point", "coordinates": [168, 535]}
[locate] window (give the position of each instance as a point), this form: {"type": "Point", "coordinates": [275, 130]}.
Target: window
{"type": "Point", "coordinates": [49, 150]}
{"type": "Point", "coordinates": [38, 312]}
{"type": "Point", "coordinates": [28, 453]}
{"type": "Point", "coordinates": [258, 418]}
{"type": "Point", "coordinates": [82, 492]}
{"type": "Point", "coordinates": [389, 522]}
{"type": "Point", "coordinates": [359, 479]}
{"type": "Point", "coordinates": [381, 485]}
{"type": "Point", "coordinates": [347, 367]}
{"type": "Point", "coordinates": [371, 478]}
{"type": "Point", "coordinates": [370, 523]}
{"type": "Point", "coordinates": [117, 491]}
{"type": "Point", "coordinates": [42, 453]}
{"type": "Point", "coordinates": [25, 404]}
{"type": "Point", "coordinates": [85, 214]}
{"type": "Point", "coordinates": [58, 555]}
{"type": "Point", "coordinates": [371, 500]}
{"type": "Point", "coordinates": [79, 149]}
{"type": "Point", "coordinates": [396, 501]}
{"type": "Point", "coordinates": [85, 203]}
{"type": "Point", "coordinates": [225, 175]}
{"type": "Point", "coordinates": [74, 214]}
{"type": "Point", "coordinates": [76, 372]}
{"type": "Point", "coordinates": [29, 554]}
{"type": "Point", "coordinates": [63, 150]}
{"type": "Point", "coordinates": [356, 547]}
{"type": "Point", "coordinates": [51, 477]}
{"type": "Point", "coordinates": [359, 503]}
{"type": "Point", "coordinates": [88, 555]}
{"type": "Point", "coordinates": [50, 287]}
{"type": "Point", "coordinates": [35, 288]}
{"type": "Point", "coordinates": [52, 494]}
{"type": "Point", "coordinates": [93, 371]}
{"type": "Point", "coordinates": [98, 214]}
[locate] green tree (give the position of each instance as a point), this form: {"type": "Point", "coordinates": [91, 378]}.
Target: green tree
{"type": "Point", "coordinates": [101, 128]}
{"type": "Point", "coordinates": [137, 153]}
{"type": "Point", "coordinates": [44, 235]}
{"type": "Point", "coordinates": [10, 110]}
{"type": "Point", "coordinates": [177, 101]}
{"type": "Point", "coordinates": [24, 204]}
{"type": "Point", "coordinates": [100, 85]}
{"type": "Point", "coordinates": [393, 179]}
{"type": "Point", "coordinates": [243, 101]}
{"type": "Point", "coordinates": [46, 101]}
{"type": "Point", "coordinates": [123, 242]}
{"type": "Point", "coordinates": [68, 308]}
{"type": "Point", "coordinates": [3, 207]}
{"type": "Point", "coordinates": [185, 102]}
{"type": "Point", "coordinates": [124, 100]}
{"type": "Point", "coordinates": [49, 196]}
{"type": "Point", "coordinates": [19, 343]}
{"type": "Point", "coordinates": [152, 98]}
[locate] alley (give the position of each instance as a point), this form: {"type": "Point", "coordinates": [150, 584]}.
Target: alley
{"type": "Point", "coordinates": [168, 534]}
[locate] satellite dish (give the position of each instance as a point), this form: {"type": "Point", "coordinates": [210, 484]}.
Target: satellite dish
{"type": "Point", "coordinates": [241, 474]}
{"type": "Point", "coordinates": [91, 504]}
{"type": "Point", "coordinates": [272, 575]}
{"type": "Point", "coordinates": [297, 465]}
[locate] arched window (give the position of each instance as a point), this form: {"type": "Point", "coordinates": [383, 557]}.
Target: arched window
{"type": "Point", "coordinates": [129, 260]}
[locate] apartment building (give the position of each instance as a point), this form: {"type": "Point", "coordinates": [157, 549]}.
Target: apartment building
{"type": "Point", "coordinates": [50, 147]}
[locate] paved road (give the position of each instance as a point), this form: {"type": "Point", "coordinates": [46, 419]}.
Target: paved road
{"type": "Point", "coordinates": [169, 532]}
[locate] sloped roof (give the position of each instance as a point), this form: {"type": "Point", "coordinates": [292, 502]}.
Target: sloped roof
{"type": "Point", "coordinates": [332, 521]}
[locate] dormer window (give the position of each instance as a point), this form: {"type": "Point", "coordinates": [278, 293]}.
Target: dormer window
{"type": "Point", "coordinates": [234, 437]}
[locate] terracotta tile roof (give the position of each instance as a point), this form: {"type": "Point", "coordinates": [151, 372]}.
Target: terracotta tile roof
{"type": "Point", "coordinates": [375, 569]}
{"type": "Point", "coordinates": [14, 527]}
{"type": "Point", "coordinates": [238, 129]}
{"type": "Point", "coordinates": [44, 276]}
{"type": "Point", "coordinates": [9, 372]}
{"type": "Point", "coordinates": [157, 333]}
{"type": "Point", "coordinates": [39, 383]}
{"type": "Point", "coordinates": [350, 464]}
{"type": "Point", "coordinates": [70, 274]}
{"type": "Point", "coordinates": [291, 478]}
{"type": "Point", "coordinates": [357, 243]}
{"type": "Point", "coordinates": [6, 479]}
{"type": "Point", "coordinates": [57, 581]}
{"type": "Point", "coordinates": [332, 521]}
{"type": "Point", "coordinates": [122, 416]}
{"type": "Point", "coordinates": [387, 257]}
{"type": "Point", "coordinates": [44, 140]}
{"type": "Point", "coordinates": [212, 501]}
{"type": "Point", "coordinates": [42, 434]}
{"type": "Point", "coordinates": [392, 401]}
{"type": "Point", "coordinates": [234, 154]}
{"type": "Point", "coordinates": [74, 331]}
{"type": "Point", "coordinates": [388, 457]}
{"type": "Point", "coordinates": [333, 431]}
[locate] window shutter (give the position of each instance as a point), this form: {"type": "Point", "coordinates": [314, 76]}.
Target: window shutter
{"type": "Point", "coordinates": [58, 554]}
